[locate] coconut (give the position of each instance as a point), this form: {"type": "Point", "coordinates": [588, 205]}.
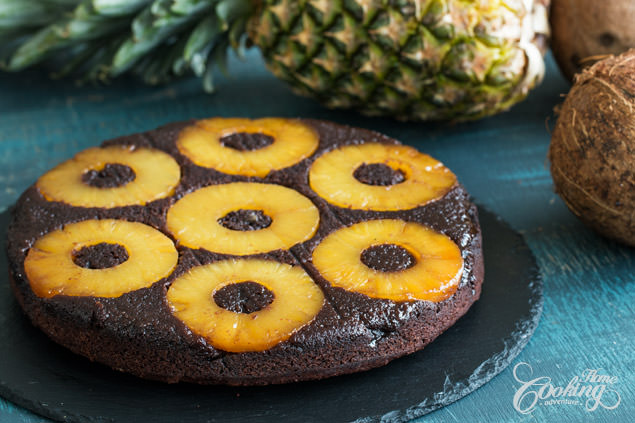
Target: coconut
{"type": "Point", "coordinates": [592, 149]}
{"type": "Point", "coordinates": [583, 31]}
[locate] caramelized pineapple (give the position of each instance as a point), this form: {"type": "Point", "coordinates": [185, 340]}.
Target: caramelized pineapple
{"type": "Point", "coordinates": [379, 177]}
{"type": "Point", "coordinates": [100, 258]}
{"type": "Point", "coordinates": [247, 147]}
{"type": "Point", "coordinates": [211, 300]}
{"type": "Point", "coordinates": [391, 259]}
{"type": "Point", "coordinates": [112, 177]}
{"type": "Point", "coordinates": [243, 218]}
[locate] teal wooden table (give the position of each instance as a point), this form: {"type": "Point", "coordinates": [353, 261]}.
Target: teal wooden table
{"type": "Point", "coordinates": [588, 320]}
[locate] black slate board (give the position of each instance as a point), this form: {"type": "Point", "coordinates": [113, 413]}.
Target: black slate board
{"type": "Point", "coordinates": [45, 378]}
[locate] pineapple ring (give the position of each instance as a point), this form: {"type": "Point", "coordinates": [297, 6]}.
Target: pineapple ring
{"type": "Point", "coordinates": [434, 277]}
{"type": "Point", "coordinates": [293, 142]}
{"type": "Point", "coordinates": [51, 270]}
{"type": "Point", "coordinates": [156, 176]}
{"type": "Point", "coordinates": [332, 177]}
{"type": "Point", "coordinates": [194, 219]}
{"type": "Point", "coordinates": [297, 300]}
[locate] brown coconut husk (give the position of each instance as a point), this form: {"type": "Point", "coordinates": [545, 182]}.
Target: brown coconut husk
{"type": "Point", "coordinates": [585, 31]}
{"type": "Point", "coordinates": [592, 149]}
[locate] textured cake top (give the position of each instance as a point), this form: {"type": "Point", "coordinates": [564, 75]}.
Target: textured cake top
{"type": "Point", "coordinates": [242, 236]}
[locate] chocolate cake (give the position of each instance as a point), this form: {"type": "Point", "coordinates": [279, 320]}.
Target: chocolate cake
{"type": "Point", "coordinates": [240, 252]}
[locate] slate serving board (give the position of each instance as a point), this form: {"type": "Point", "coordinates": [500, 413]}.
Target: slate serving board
{"type": "Point", "coordinates": [47, 379]}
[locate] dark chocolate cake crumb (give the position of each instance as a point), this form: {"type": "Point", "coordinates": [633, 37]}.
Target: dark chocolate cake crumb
{"type": "Point", "coordinates": [100, 256]}
{"type": "Point", "coordinates": [378, 174]}
{"type": "Point", "coordinates": [388, 258]}
{"type": "Point", "coordinates": [245, 220]}
{"type": "Point", "coordinates": [244, 297]}
{"type": "Point", "coordinates": [246, 141]}
{"type": "Point", "coordinates": [113, 175]}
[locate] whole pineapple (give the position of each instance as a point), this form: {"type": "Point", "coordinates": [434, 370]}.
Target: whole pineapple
{"type": "Point", "coordinates": [412, 59]}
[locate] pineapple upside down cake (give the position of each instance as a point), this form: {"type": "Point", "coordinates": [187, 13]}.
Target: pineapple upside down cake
{"type": "Point", "coordinates": [246, 252]}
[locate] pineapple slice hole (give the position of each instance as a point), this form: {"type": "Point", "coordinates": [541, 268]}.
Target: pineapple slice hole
{"type": "Point", "coordinates": [102, 255]}
{"type": "Point", "coordinates": [388, 257]}
{"type": "Point", "coordinates": [109, 175]}
{"type": "Point", "coordinates": [243, 297]}
{"type": "Point", "coordinates": [245, 220]}
{"type": "Point", "coordinates": [380, 174]}
{"type": "Point", "coordinates": [247, 141]}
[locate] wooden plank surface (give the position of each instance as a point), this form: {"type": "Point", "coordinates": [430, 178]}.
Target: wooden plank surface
{"type": "Point", "coordinates": [588, 318]}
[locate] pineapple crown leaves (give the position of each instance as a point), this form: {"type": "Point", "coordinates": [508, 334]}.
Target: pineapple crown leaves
{"type": "Point", "coordinates": [154, 39]}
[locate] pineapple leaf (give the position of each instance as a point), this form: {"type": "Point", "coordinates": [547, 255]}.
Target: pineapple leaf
{"type": "Point", "coordinates": [186, 7]}
{"type": "Point", "coordinates": [149, 29]}
{"type": "Point", "coordinates": [203, 34]}
{"type": "Point", "coordinates": [86, 58]}
{"type": "Point", "coordinates": [237, 37]}
{"type": "Point", "coordinates": [230, 10]}
{"type": "Point", "coordinates": [84, 23]}
{"type": "Point", "coordinates": [218, 57]}
{"type": "Point", "coordinates": [158, 66]}
{"type": "Point", "coordinates": [154, 39]}
{"type": "Point", "coordinates": [118, 7]}
{"type": "Point", "coordinates": [87, 24]}
{"type": "Point", "coordinates": [36, 48]}
{"type": "Point", "coordinates": [62, 3]}
{"type": "Point", "coordinates": [17, 13]}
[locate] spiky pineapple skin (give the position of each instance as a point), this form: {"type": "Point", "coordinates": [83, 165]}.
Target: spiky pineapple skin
{"type": "Point", "coordinates": [413, 59]}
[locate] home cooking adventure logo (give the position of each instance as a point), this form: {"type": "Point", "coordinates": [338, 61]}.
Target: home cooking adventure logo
{"type": "Point", "coordinates": [591, 389]}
